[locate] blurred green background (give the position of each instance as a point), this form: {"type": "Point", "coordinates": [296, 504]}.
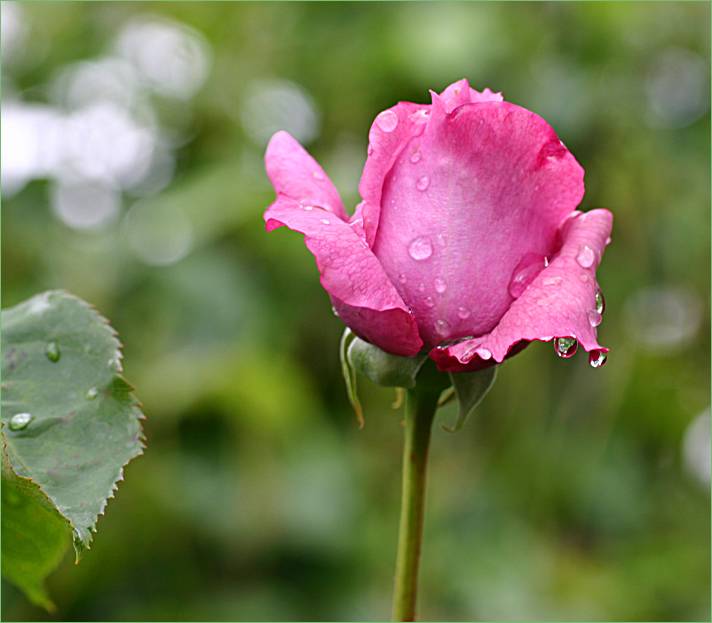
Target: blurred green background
{"type": "Point", "coordinates": [132, 138]}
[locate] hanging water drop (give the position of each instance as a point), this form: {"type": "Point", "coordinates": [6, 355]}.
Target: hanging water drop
{"type": "Point", "coordinates": [420, 249]}
{"type": "Point", "coordinates": [422, 183]}
{"type": "Point", "coordinates": [484, 353]}
{"type": "Point", "coordinates": [440, 285]}
{"type": "Point", "coordinates": [586, 256]}
{"type": "Point", "coordinates": [19, 421]}
{"type": "Point", "coordinates": [565, 347]}
{"type": "Point", "coordinates": [387, 121]}
{"type": "Point", "coordinates": [92, 393]}
{"type": "Point", "coordinates": [600, 302]}
{"type": "Point", "coordinates": [597, 358]}
{"type": "Point", "coordinates": [52, 351]}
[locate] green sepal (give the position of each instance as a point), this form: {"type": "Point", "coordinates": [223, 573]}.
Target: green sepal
{"type": "Point", "coordinates": [381, 367]}
{"type": "Point", "coordinates": [470, 388]}
{"type": "Point", "coordinates": [350, 375]}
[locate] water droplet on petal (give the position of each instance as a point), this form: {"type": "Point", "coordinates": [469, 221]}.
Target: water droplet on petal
{"type": "Point", "coordinates": [318, 175]}
{"type": "Point", "coordinates": [442, 327]}
{"type": "Point", "coordinates": [600, 302]}
{"type": "Point", "coordinates": [525, 272]}
{"type": "Point", "coordinates": [586, 256]}
{"type": "Point", "coordinates": [594, 318]}
{"type": "Point", "coordinates": [565, 347]}
{"type": "Point", "coordinates": [463, 313]}
{"type": "Point", "coordinates": [387, 121]}
{"type": "Point", "coordinates": [52, 351]}
{"type": "Point", "coordinates": [597, 358]}
{"type": "Point", "coordinates": [584, 277]}
{"type": "Point", "coordinates": [308, 208]}
{"type": "Point", "coordinates": [552, 281]}
{"type": "Point", "coordinates": [402, 278]}
{"type": "Point", "coordinates": [420, 249]}
{"type": "Point", "coordinates": [421, 287]}
{"type": "Point", "coordinates": [92, 393]}
{"type": "Point", "coordinates": [326, 221]}
{"type": "Point", "coordinates": [422, 183]}
{"type": "Point", "coordinates": [429, 302]}
{"type": "Point", "coordinates": [484, 353]}
{"type": "Point", "coordinates": [440, 285]}
{"type": "Point", "coordinates": [20, 421]}
{"type": "Point", "coordinates": [415, 157]}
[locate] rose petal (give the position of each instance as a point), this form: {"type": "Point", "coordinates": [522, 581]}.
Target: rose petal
{"type": "Point", "coordinates": [556, 304]}
{"type": "Point", "coordinates": [296, 175]}
{"type": "Point", "coordinates": [460, 92]}
{"type": "Point", "coordinates": [361, 293]}
{"type": "Point", "coordinates": [492, 185]}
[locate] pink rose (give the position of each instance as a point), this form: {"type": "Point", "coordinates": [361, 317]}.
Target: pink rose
{"type": "Point", "coordinates": [466, 243]}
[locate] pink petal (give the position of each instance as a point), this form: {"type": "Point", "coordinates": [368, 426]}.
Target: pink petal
{"type": "Point", "coordinates": [491, 186]}
{"type": "Point", "coordinates": [460, 92]}
{"type": "Point", "coordinates": [557, 303]}
{"type": "Point", "coordinates": [361, 293]}
{"type": "Point", "coordinates": [296, 175]}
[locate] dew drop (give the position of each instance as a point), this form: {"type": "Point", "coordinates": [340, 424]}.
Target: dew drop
{"type": "Point", "coordinates": [484, 353]}
{"type": "Point", "coordinates": [318, 175]}
{"type": "Point", "coordinates": [440, 285]}
{"type": "Point", "coordinates": [420, 249]}
{"type": "Point", "coordinates": [429, 302]}
{"type": "Point", "coordinates": [308, 208]}
{"type": "Point", "coordinates": [585, 257]}
{"type": "Point", "coordinates": [594, 318]}
{"type": "Point", "coordinates": [552, 281]}
{"type": "Point", "coordinates": [415, 157]}
{"type": "Point", "coordinates": [422, 183]}
{"type": "Point", "coordinates": [52, 351]}
{"type": "Point", "coordinates": [402, 278]}
{"type": "Point", "coordinates": [463, 313]}
{"type": "Point", "coordinates": [442, 327]}
{"type": "Point", "coordinates": [19, 421]}
{"type": "Point", "coordinates": [387, 121]}
{"type": "Point", "coordinates": [92, 393]}
{"type": "Point", "coordinates": [421, 287]}
{"type": "Point", "coordinates": [325, 221]}
{"type": "Point", "coordinates": [597, 358]}
{"type": "Point", "coordinates": [565, 347]}
{"type": "Point", "coordinates": [525, 272]}
{"type": "Point", "coordinates": [600, 302]}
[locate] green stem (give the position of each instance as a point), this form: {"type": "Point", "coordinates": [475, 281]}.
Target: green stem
{"type": "Point", "coordinates": [420, 409]}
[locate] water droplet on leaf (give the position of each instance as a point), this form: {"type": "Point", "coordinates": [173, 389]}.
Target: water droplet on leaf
{"type": "Point", "coordinates": [52, 351]}
{"type": "Point", "coordinates": [565, 347]}
{"type": "Point", "coordinates": [387, 121]}
{"type": "Point", "coordinates": [19, 421]}
{"type": "Point", "coordinates": [420, 249]}
{"type": "Point", "coordinates": [92, 393]}
{"type": "Point", "coordinates": [586, 256]}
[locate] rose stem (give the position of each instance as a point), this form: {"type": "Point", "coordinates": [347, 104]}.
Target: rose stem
{"type": "Point", "coordinates": [420, 409]}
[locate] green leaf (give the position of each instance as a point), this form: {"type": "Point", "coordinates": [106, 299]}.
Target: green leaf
{"type": "Point", "coordinates": [70, 421]}
{"type": "Point", "coordinates": [382, 367]}
{"type": "Point", "coordinates": [34, 536]}
{"type": "Point", "coordinates": [470, 389]}
{"type": "Point", "coordinates": [350, 375]}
